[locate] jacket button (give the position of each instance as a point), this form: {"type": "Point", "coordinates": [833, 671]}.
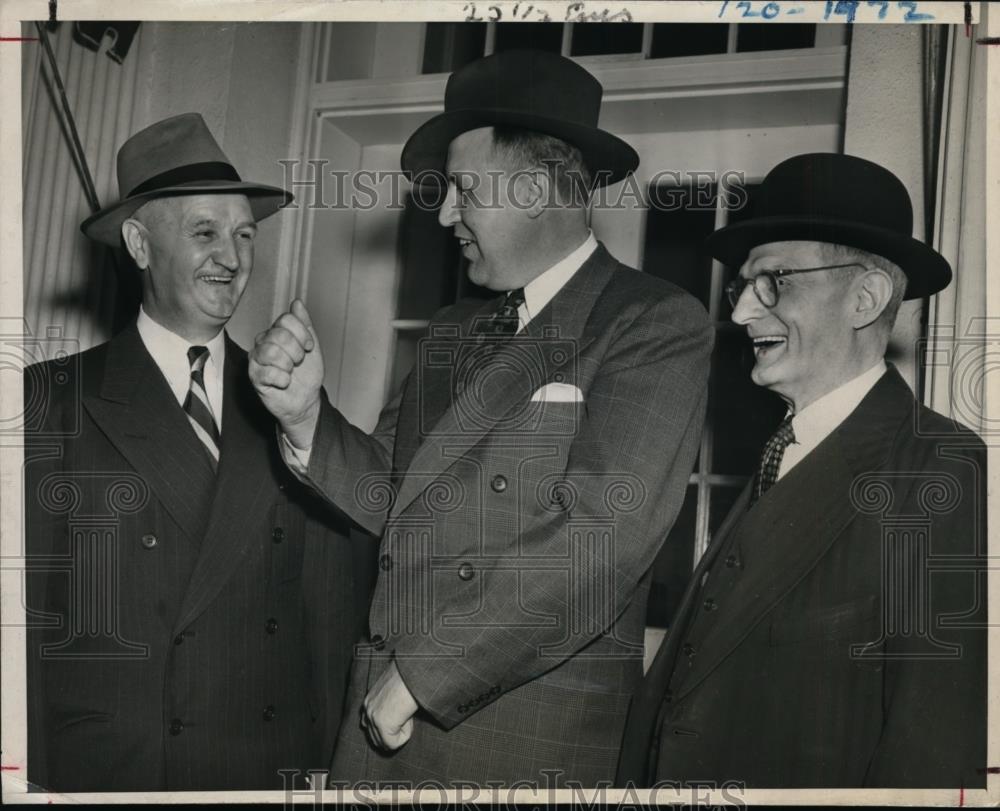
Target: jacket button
{"type": "Point", "coordinates": [499, 484]}
{"type": "Point", "coordinates": [271, 626]}
{"type": "Point", "coordinates": [148, 540]}
{"type": "Point", "coordinates": [732, 561]}
{"type": "Point", "coordinates": [269, 712]}
{"type": "Point", "coordinates": [176, 727]}
{"type": "Point", "coordinates": [668, 696]}
{"type": "Point", "coordinates": [709, 604]}
{"type": "Point", "coordinates": [688, 649]}
{"type": "Point", "coordinates": [385, 562]}
{"type": "Point", "coordinates": [378, 642]}
{"type": "Point", "coordinates": [277, 534]}
{"type": "Point", "coordinates": [179, 639]}
{"type": "Point", "coordinates": [466, 572]}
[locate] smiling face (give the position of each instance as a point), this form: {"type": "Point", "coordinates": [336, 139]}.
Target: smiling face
{"type": "Point", "coordinates": [806, 345]}
{"type": "Point", "coordinates": [488, 213]}
{"type": "Point", "coordinates": [197, 254]}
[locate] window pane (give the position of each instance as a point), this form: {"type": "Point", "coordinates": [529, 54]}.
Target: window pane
{"type": "Point", "coordinates": [764, 37]}
{"type": "Point", "coordinates": [678, 220]}
{"type": "Point", "coordinates": [742, 414]}
{"type": "Point", "coordinates": [688, 39]}
{"type": "Point", "coordinates": [722, 500]}
{"type": "Point", "coordinates": [672, 567]}
{"type": "Point", "coordinates": [449, 46]}
{"type": "Point", "coordinates": [543, 36]}
{"type": "Point", "coordinates": [593, 39]}
{"type": "Point", "coordinates": [430, 262]}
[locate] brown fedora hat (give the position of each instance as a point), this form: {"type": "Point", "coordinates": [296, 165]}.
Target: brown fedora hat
{"type": "Point", "coordinates": [532, 89]}
{"type": "Point", "coordinates": [172, 157]}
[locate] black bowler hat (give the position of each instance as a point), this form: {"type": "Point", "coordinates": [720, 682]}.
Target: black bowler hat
{"type": "Point", "coordinates": [827, 197]}
{"type": "Point", "coordinates": [534, 90]}
{"type": "Point", "coordinates": [172, 157]}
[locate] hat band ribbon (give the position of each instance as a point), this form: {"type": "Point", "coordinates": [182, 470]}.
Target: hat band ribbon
{"type": "Point", "coordinates": [190, 173]}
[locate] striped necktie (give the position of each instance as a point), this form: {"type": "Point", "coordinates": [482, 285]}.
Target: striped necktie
{"type": "Point", "coordinates": [197, 406]}
{"type": "Point", "coordinates": [770, 459]}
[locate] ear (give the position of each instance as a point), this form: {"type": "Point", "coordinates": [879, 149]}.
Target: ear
{"type": "Point", "coordinates": [532, 189]}
{"type": "Point", "coordinates": [136, 239]}
{"type": "Point", "coordinates": [872, 293]}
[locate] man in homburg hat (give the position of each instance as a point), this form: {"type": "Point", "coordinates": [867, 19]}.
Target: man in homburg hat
{"type": "Point", "coordinates": [834, 632]}
{"type": "Point", "coordinates": [195, 625]}
{"type": "Point", "coordinates": [531, 466]}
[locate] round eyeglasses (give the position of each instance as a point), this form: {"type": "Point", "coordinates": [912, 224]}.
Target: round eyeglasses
{"type": "Point", "coordinates": [765, 284]}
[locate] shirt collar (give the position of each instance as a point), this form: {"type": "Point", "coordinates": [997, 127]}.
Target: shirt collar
{"type": "Point", "coordinates": [817, 420]}
{"type": "Point", "coordinates": [543, 288]}
{"type": "Point", "coordinates": [169, 350]}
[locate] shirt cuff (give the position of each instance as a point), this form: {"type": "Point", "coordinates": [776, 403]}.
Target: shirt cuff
{"type": "Point", "coordinates": [297, 459]}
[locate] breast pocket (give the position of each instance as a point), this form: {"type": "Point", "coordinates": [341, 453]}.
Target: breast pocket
{"type": "Point", "coordinates": [849, 621]}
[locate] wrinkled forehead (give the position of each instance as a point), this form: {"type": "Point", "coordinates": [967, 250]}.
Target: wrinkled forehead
{"type": "Point", "coordinates": [787, 254]}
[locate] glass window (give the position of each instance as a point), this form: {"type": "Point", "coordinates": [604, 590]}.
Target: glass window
{"type": "Point", "coordinates": [543, 36]}
{"type": "Point", "coordinates": [763, 37]}
{"type": "Point", "coordinates": [688, 39]}
{"type": "Point", "coordinates": [678, 220]}
{"type": "Point", "coordinates": [429, 258]}
{"type": "Point", "coordinates": [449, 46]}
{"type": "Point", "coordinates": [595, 39]}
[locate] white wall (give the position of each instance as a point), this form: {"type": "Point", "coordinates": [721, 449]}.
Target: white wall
{"type": "Point", "coordinates": [884, 123]}
{"type": "Point", "coordinates": [241, 78]}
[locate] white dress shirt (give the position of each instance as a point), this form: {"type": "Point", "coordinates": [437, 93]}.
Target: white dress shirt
{"type": "Point", "coordinates": [819, 419]}
{"type": "Point", "coordinates": [537, 293]}
{"type": "Point", "coordinates": [543, 288]}
{"type": "Point", "coordinates": [169, 351]}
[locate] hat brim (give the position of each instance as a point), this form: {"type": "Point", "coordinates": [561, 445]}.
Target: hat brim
{"type": "Point", "coordinates": [105, 226]}
{"type": "Point", "coordinates": [609, 158]}
{"type": "Point", "coordinates": [927, 272]}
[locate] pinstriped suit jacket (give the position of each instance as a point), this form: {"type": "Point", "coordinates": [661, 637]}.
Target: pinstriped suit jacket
{"type": "Point", "coordinates": [517, 535]}
{"type": "Point", "coordinates": [223, 605]}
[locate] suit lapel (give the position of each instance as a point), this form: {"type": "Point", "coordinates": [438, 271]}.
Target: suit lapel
{"type": "Point", "coordinates": [136, 409]}
{"type": "Point", "coordinates": [799, 518]}
{"type": "Point", "coordinates": [481, 409]}
{"type": "Point", "coordinates": [245, 478]}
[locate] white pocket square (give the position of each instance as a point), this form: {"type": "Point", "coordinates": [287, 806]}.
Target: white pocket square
{"type": "Point", "coordinates": [557, 393]}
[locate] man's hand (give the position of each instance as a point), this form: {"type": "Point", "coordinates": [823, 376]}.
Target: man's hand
{"type": "Point", "coordinates": [286, 368]}
{"type": "Point", "coordinates": [388, 710]}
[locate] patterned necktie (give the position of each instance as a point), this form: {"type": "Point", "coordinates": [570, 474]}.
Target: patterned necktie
{"type": "Point", "coordinates": [505, 320]}
{"type": "Point", "coordinates": [770, 459]}
{"type": "Point", "coordinates": [197, 406]}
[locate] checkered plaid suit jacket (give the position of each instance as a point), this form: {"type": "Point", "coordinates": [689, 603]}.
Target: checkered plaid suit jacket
{"type": "Point", "coordinates": [517, 534]}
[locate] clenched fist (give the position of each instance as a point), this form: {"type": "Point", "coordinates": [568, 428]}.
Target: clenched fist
{"type": "Point", "coordinates": [286, 368]}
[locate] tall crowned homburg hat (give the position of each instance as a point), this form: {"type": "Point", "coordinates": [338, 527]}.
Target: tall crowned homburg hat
{"type": "Point", "coordinates": [175, 156]}
{"type": "Point", "coordinates": [530, 89]}
{"type": "Point", "coordinates": [843, 199]}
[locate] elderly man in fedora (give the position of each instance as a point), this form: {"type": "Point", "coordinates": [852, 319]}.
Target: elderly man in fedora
{"type": "Point", "coordinates": [833, 634]}
{"type": "Point", "coordinates": [530, 467]}
{"type": "Point", "coordinates": [205, 641]}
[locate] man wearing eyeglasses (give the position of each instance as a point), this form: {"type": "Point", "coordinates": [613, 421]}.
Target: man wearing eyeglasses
{"type": "Point", "coordinates": [833, 634]}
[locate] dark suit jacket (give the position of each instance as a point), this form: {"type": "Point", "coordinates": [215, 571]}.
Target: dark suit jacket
{"type": "Point", "coordinates": [838, 638]}
{"type": "Point", "coordinates": [517, 533]}
{"type": "Point", "coordinates": [198, 627]}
